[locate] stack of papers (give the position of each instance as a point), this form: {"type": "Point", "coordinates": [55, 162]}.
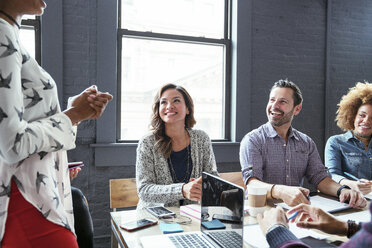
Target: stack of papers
{"type": "Point", "coordinates": [194, 210]}
{"type": "Point", "coordinates": [368, 196]}
{"type": "Point", "coordinates": [326, 204]}
{"type": "Point", "coordinates": [361, 216]}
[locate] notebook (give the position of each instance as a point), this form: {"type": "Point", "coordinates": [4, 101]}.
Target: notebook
{"type": "Point", "coordinates": [222, 201]}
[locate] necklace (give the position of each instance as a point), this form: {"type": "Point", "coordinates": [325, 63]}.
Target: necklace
{"type": "Point", "coordinates": [187, 174]}
{"type": "Point", "coordinates": [11, 18]}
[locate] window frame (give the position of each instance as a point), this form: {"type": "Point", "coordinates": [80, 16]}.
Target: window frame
{"type": "Point", "coordinates": [34, 24]}
{"type": "Point", "coordinates": [107, 152]}
{"type": "Point", "coordinates": [225, 41]}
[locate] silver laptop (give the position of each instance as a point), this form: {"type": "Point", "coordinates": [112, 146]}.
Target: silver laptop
{"type": "Point", "coordinates": [221, 200]}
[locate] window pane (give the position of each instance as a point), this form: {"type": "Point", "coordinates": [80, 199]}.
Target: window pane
{"type": "Point", "coordinates": [148, 64]}
{"type": "Point", "coordinates": [27, 37]}
{"type": "Point", "coordinates": [201, 18]}
{"type": "Point", "coordinates": [25, 17]}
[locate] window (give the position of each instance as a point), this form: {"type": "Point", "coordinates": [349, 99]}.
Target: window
{"type": "Point", "coordinates": [30, 35]}
{"type": "Point", "coordinates": [185, 42]}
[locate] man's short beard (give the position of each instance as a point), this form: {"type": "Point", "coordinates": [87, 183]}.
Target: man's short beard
{"type": "Point", "coordinates": [283, 120]}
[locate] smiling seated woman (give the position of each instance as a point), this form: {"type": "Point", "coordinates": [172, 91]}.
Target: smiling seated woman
{"type": "Point", "coordinates": [351, 152]}
{"type": "Point", "coordinates": [171, 159]}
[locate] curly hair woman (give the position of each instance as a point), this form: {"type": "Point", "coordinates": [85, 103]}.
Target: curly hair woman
{"type": "Point", "coordinates": [350, 153]}
{"type": "Point", "coordinates": [171, 159]}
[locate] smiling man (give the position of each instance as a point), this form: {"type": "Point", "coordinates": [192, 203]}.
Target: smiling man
{"type": "Point", "coordinates": [278, 156]}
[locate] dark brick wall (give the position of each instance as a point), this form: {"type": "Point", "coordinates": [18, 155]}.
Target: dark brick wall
{"type": "Point", "coordinates": [323, 46]}
{"type": "Point", "coordinates": [288, 41]}
{"type": "Point", "coordinates": [350, 50]}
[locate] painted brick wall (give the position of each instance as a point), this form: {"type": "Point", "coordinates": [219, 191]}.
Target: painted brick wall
{"type": "Point", "coordinates": [289, 40]}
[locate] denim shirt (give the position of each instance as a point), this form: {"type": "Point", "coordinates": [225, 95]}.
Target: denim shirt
{"type": "Point", "coordinates": [345, 153]}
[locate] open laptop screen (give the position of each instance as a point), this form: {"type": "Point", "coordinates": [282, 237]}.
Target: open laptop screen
{"type": "Point", "coordinates": [223, 201]}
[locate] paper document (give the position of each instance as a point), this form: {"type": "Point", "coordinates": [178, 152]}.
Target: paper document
{"type": "Point", "coordinates": [361, 216]}
{"type": "Point", "coordinates": [368, 196]}
{"type": "Point", "coordinates": [193, 210]}
{"type": "Point", "coordinates": [326, 204]}
{"type": "Point", "coordinates": [254, 236]}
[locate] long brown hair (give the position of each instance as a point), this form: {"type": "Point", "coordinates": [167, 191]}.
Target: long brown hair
{"type": "Point", "coordinates": [163, 142]}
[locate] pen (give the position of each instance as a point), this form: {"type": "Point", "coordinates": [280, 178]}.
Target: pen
{"type": "Point", "coordinates": [352, 176]}
{"type": "Point", "coordinates": [293, 216]}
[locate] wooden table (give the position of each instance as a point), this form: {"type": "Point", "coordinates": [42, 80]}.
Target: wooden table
{"type": "Point", "coordinates": [132, 239]}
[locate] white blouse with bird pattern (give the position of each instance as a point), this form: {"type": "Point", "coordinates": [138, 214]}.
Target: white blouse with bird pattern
{"type": "Point", "coordinates": [34, 134]}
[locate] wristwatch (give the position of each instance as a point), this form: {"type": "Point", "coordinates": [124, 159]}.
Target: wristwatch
{"type": "Point", "coordinates": [341, 188]}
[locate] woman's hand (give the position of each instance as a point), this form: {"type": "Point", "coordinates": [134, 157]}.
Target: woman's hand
{"type": "Point", "coordinates": [314, 217]}
{"type": "Point", "coordinates": [193, 189]}
{"type": "Point", "coordinates": [74, 172]}
{"type": "Point", "coordinates": [364, 186]}
{"type": "Point", "coordinates": [89, 104]}
{"type": "Point", "coordinates": [98, 102]}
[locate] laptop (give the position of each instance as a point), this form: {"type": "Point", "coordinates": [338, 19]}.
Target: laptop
{"type": "Point", "coordinates": [222, 203]}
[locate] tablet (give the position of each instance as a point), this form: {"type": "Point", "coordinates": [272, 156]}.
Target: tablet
{"type": "Point", "coordinates": [161, 212]}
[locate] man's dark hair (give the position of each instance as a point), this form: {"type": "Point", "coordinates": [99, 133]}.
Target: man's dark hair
{"type": "Point", "coordinates": [285, 83]}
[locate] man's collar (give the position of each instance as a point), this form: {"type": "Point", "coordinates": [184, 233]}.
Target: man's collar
{"type": "Point", "coordinates": [272, 133]}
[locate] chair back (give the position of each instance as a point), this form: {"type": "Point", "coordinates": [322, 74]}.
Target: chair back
{"type": "Point", "coordinates": [233, 177]}
{"type": "Point", "coordinates": [123, 193]}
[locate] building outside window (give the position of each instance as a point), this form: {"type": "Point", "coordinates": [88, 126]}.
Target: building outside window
{"type": "Point", "coordinates": [30, 35]}
{"type": "Point", "coordinates": [185, 42]}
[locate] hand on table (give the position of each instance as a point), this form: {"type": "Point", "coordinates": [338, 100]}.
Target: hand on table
{"type": "Point", "coordinates": [364, 186]}
{"type": "Point", "coordinates": [291, 195]}
{"type": "Point", "coordinates": [355, 198]}
{"type": "Point", "coordinates": [271, 217]}
{"type": "Point", "coordinates": [193, 189]}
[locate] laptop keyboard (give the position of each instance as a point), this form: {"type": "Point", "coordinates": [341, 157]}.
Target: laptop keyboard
{"type": "Point", "coordinates": [229, 239]}
{"type": "Point", "coordinates": [189, 241]}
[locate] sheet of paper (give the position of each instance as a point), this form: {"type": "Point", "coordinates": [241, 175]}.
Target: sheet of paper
{"type": "Point", "coordinates": [326, 204]}
{"type": "Point", "coordinates": [254, 236]}
{"type": "Point", "coordinates": [368, 196]}
{"type": "Point", "coordinates": [362, 216]}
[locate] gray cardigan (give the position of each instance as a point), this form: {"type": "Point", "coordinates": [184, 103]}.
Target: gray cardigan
{"type": "Point", "coordinates": [154, 181]}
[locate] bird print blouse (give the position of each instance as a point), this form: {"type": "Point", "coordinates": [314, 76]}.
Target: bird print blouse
{"type": "Point", "coordinates": [34, 134]}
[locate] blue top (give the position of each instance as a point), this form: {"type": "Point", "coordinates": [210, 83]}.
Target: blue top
{"type": "Point", "coordinates": [345, 153]}
{"type": "Point", "coordinates": [180, 165]}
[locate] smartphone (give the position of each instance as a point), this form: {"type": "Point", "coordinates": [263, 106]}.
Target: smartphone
{"type": "Point", "coordinates": [161, 212]}
{"type": "Point", "coordinates": [138, 224]}
{"type": "Point", "coordinates": [73, 165]}
{"type": "Point", "coordinates": [227, 218]}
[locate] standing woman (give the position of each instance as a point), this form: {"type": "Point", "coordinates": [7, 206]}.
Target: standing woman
{"type": "Point", "coordinates": [171, 159]}
{"type": "Point", "coordinates": [351, 152]}
{"type": "Point", "coordinates": [35, 193]}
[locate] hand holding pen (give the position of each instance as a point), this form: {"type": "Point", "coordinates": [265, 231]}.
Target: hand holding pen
{"type": "Point", "coordinates": [363, 185]}
{"type": "Point", "coordinates": [307, 216]}
{"type": "Point", "coordinates": [293, 217]}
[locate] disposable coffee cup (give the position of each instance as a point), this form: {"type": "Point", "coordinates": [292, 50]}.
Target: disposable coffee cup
{"type": "Point", "coordinates": [256, 199]}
